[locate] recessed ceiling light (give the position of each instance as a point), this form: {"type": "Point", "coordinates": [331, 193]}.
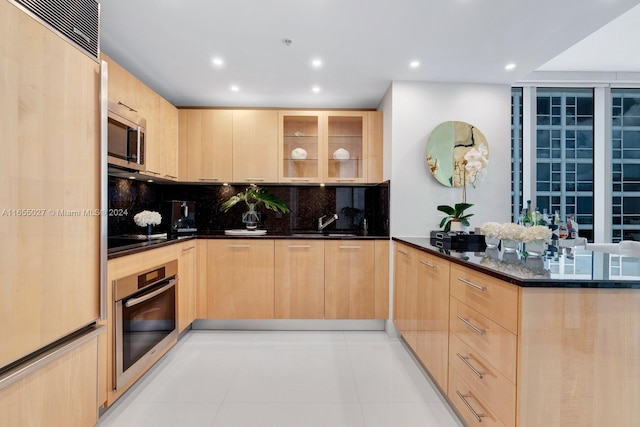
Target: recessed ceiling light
{"type": "Point", "coordinates": [217, 61]}
{"type": "Point", "coordinates": [235, 88]}
{"type": "Point", "coordinates": [510, 66]}
{"type": "Point", "coordinates": [315, 89]}
{"type": "Point", "coordinates": [414, 64]}
{"type": "Point", "coordinates": [317, 63]}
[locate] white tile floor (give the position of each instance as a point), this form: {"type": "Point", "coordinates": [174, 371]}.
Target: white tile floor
{"type": "Point", "coordinates": [297, 379]}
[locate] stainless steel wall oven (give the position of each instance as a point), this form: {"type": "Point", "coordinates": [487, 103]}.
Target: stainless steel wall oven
{"type": "Point", "coordinates": [145, 317]}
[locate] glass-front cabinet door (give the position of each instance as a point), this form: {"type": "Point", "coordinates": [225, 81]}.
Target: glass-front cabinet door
{"type": "Point", "coordinates": [346, 147]}
{"type": "Point", "coordinates": [300, 146]}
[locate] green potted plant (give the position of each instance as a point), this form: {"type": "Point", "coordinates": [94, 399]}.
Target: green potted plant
{"type": "Point", "coordinates": [252, 197]}
{"type": "Point", "coordinates": [455, 216]}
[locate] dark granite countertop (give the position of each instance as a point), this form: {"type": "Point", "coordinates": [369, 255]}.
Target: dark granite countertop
{"type": "Point", "coordinates": [133, 247]}
{"type": "Point", "coordinates": [575, 268]}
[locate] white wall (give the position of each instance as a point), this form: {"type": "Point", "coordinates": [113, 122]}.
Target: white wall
{"type": "Point", "coordinates": [411, 111]}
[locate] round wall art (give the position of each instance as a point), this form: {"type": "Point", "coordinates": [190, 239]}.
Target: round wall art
{"type": "Point", "coordinates": [456, 153]}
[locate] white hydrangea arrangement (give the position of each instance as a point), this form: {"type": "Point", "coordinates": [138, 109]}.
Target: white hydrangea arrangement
{"type": "Point", "coordinates": [475, 163]}
{"type": "Point", "coordinates": [537, 232]}
{"type": "Point", "coordinates": [491, 229]}
{"type": "Point", "coordinates": [511, 231]}
{"type": "Point", "coordinates": [146, 218]}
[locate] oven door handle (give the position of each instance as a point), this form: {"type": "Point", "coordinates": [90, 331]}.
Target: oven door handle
{"type": "Point", "coordinates": [136, 301]}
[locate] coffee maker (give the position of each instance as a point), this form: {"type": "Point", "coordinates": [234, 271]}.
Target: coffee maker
{"type": "Point", "coordinates": [182, 217]}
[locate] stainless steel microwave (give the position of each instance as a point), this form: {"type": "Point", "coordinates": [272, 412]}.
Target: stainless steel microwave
{"type": "Point", "coordinates": [126, 137]}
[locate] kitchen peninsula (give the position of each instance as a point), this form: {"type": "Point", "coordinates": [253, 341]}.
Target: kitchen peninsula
{"type": "Point", "coordinates": [523, 342]}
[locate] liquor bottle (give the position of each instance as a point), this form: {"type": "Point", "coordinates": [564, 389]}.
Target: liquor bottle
{"type": "Point", "coordinates": [545, 217]}
{"type": "Point", "coordinates": [572, 227]}
{"type": "Point", "coordinates": [563, 232]}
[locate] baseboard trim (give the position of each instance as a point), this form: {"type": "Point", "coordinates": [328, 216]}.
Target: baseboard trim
{"type": "Point", "coordinates": [290, 324]}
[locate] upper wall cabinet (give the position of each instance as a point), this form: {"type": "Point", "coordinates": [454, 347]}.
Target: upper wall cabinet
{"type": "Point", "coordinates": [161, 147]}
{"type": "Point", "coordinates": [206, 138]}
{"type": "Point", "coordinates": [332, 146]}
{"type": "Point", "coordinates": [255, 146]}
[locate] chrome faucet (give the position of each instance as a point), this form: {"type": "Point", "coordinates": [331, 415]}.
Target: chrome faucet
{"type": "Point", "coordinates": [321, 225]}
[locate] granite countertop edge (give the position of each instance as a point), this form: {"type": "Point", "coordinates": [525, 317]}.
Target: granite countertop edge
{"type": "Point", "coordinates": [422, 243]}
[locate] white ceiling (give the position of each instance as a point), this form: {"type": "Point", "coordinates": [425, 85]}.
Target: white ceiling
{"type": "Point", "coordinates": [364, 45]}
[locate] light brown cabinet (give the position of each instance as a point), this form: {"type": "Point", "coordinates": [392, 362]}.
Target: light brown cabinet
{"type": "Point", "coordinates": [405, 308]}
{"type": "Point", "coordinates": [186, 284]}
{"type": "Point", "coordinates": [432, 314]}
{"type": "Point", "coordinates": [50, 173]}
{"type": "Point", "coordinates": [330, 146]}
{"type": "Point", "coordinates": [206, 138]}
{"type": "Point", "coordinates": [349, 279]}
{"type": "Point", "coordinates": [240, 279]}
{"type": "Point", "coordinates": [60, 393]}
{"type": "Point", "coordinates": [161, 144]}
{"type": "Point", "coordinates": [255, 146]}
{"type": "Point", "coordinates": [299, 279]}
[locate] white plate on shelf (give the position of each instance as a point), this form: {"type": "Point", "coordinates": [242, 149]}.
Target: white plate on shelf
{"type": "Point", "coordinates": [244, 232]}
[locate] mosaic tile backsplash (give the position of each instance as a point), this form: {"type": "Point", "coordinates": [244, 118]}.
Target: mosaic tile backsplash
{"type": "Point", "coordinates": [353, 204]}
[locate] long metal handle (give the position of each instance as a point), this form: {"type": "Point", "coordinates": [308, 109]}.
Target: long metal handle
{"type": "Point", "coordinates": [171, 176]}
{"type": "Point", "coordinates": [188, 249]}
{"type": "Point", "coordinates": [465, 360]}
{"type": "Point", "coordinates": [136, 301]}
{"type": "Point", "coordinates": [427, 264]}
{"type": "Point", "coordinates": [403, 252]}
{"type": "Point", "coordinates": [301, 179]}
{"type": "Point", "coordinates": [471, 325]}
{"type": "Point", "coordinates": [239, 246]}
{"type": "Point", "coordinates": [350, 247]}
{"type": "Point", "coordinates": [345, 179]}
{"type": "Point", "coordinates": [254, 179]}
{"type": "Point", "coordinates": [209, 179]}
{"type": "Point", "coordinates": [476, 415]}
{"type": "Point", "coordinates": [77, 31]}
{"type": "Point", "coordinates": [473, 285]}
{"type": "Point", "coordinates": [125, 105]}
{"type": "Point", "coordinates": [32, 365]}
{"type": "Point", "coordinates": [299, 246]}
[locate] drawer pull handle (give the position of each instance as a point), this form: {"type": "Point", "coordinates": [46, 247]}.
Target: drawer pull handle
{"type": "Point", "coordinates": [208, 179]}
{"type": "Point", "coordinates": [403, 252]}
{"type": "Point", "coordinates": [428, 265]}
{"type": "Point", "coordinates": [239, 246]}
{"type": "Point", "coordinates": [473, 285]}
{"type": "Point", "coordinates": [473, 327]}
{"type": "Point", "coordinates": [299, 246]}
{"type": "Point", "coordinates": [349, 247]}
{"type": "Point", "coordinates": [465, 360]}
{"type": "Point", "coordinates": [476, 415]}
{"type": "Point", "coordinates": [254, 179]}
{"type": "Point", "coordinates": [188, 249]}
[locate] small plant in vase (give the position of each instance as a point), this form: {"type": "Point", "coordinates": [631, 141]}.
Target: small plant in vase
{"type": "Point", "coordinates": [252, 197]}
{"type": "Point", "coordinates": [456, 218]}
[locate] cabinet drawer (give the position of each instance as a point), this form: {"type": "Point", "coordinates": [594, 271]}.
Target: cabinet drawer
{"type": "Point", "coordinates": [484, 379]}
{"type": "Point", "coordinates": [492, 342]}
{"type": "Point", "coordinates": [493, 298]}
{"type": "Point", "coordinates": [473, 408]}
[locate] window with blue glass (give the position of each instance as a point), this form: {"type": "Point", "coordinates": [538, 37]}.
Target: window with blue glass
{"type": "Point", "coordinates": [625, 167]}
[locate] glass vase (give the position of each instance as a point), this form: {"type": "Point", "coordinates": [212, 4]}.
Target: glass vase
{"type": "Point", "coordinates": [535, 248]}
{"type": "Point", "coordinates": [509, 245]}
{"type": "Point", "coordinates": [492, 242]}
{"type": "Point", "coordinates": [251, 217]}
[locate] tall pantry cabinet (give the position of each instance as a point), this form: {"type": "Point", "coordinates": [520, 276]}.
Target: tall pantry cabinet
{"type": "Point", "coordinates": [49, 170]}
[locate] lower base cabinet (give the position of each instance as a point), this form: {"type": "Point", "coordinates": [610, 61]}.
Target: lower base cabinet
{"type": "Point", "coordinates": [523, 356]}
{"type": "Point", "coordinates": [240, 279]}
{"type": "Point", "coordinates": [299, 279]}
{"type": "Point", "coordinates": [63, 392]}
{"type": "Point", "coordinates": [349, 270]}
{"type": "Point", "coordinates": [186, 284]}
